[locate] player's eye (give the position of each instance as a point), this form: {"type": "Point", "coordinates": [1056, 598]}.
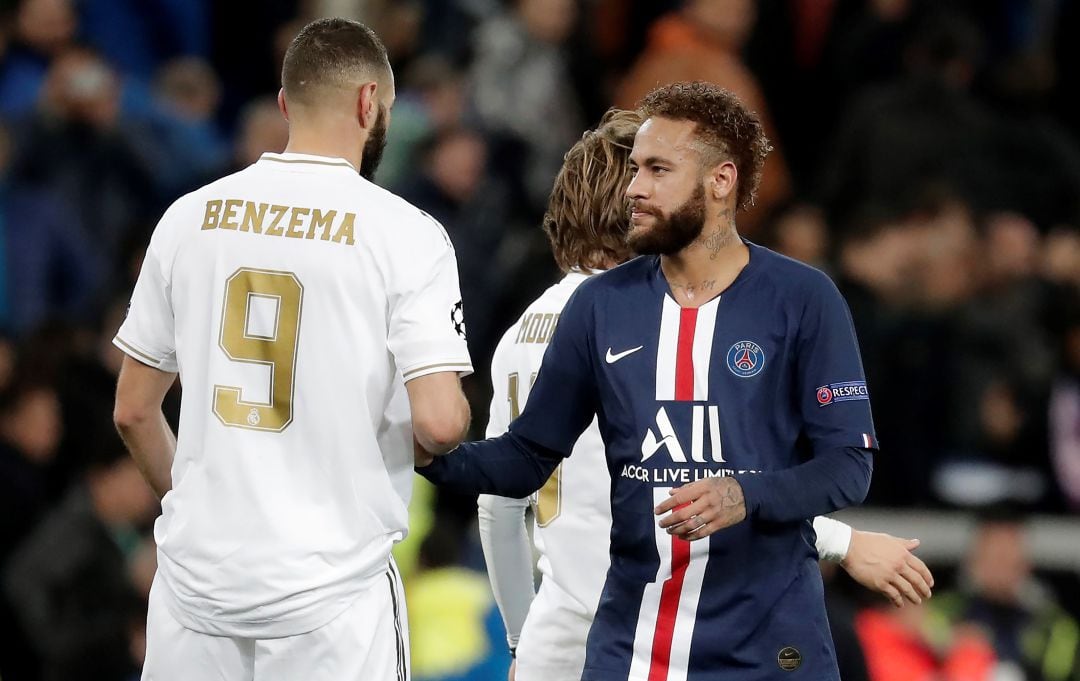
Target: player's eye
{"type": "Point", "coordinates": [659, 170]}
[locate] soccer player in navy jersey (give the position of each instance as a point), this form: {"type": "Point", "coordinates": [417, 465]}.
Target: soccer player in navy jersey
{"type": "Point", "coordinates": [730, 396]}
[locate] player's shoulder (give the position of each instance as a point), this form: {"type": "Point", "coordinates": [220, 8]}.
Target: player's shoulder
{"type": "Point", "coordinates": [787, 274]}
{"type": "Point", "coordinates": [624, 277]}
{"type": "Point", "coordinates": [395, 214]}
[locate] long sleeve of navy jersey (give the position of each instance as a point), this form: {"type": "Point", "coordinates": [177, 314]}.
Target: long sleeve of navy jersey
{"type": "Point", "coordinates": [561, 405]}
{"type": "Point", "coordinates": [508, 465]}
{"type": "Point", "coordinates": [831, 480]}
{"type": "Point", "coordinates": [838, 426]}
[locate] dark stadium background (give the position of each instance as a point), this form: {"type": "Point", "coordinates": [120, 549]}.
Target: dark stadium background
{"type": "Point", "coordinates": [927, 156]}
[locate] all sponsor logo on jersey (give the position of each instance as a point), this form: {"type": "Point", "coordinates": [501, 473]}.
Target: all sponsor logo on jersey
{"type": "Point", "coordinates": [705, 448]}
{"type": "Point", "coordinates": [842, 392]}
{"type": "Point", "coordinates": [746, 359]}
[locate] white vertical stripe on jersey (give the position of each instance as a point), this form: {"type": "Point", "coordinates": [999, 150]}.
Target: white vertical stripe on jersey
{"type": "Point", "coordinates": [667, 349]}
{"type": "Point", "coordinates": [688, 604]}
{"type": "Point", "coordinates": [686, 613]}
{"type": "Point", "coordinates": [650, 599]}
{"type": "Point", "coordinates": [703, 347]}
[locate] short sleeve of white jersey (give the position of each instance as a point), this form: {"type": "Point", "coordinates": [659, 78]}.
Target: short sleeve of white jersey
{"type": "Point", "coordinates": [427, 326]}
{"type": "Point", "coordinates": [833, 538]}
{"type": "Point", "coordinates": [147, 333]}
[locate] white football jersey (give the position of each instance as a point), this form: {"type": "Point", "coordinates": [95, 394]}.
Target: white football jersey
{"type": "Point", "coordinates": [293, 298]}
{"type": "Point", "coordinates": [572, 511]}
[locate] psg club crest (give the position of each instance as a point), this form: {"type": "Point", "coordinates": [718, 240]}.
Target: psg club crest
{"type": "Point", "coordinates": [746, 359]}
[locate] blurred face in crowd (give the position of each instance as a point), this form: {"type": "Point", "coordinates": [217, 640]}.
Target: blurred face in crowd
{"type": "Point", "coordinates": [262, 129]}
{"type": "Point", "coordinates": [81, 88]}
{"type": "Point", "coordinates": [667, 192]}
{"type": "Point", "coordinates": [191, 88]}
{"type": "Point", "coordinates": [457, 164]}
{"type": "Point", "coordinates": [729, 21]}
{"type": "Point", "coordinates": [801, 234]}
{"type": "Point", "coordinates": [998, 563]}
{"type": "Point", "coordinates": [33, 425]}
{"type": "Point", "coordinates": [549, 21]}
{"type": "Point", "coordinates": [121, 494]}
{"type": "Point", "coordinates": [46, 25]}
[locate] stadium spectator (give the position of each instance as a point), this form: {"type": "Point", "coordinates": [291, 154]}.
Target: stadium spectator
{"type": "Point", "coordinates": [900, 646]}
{"type": "Point", "coordinates": [454, 626]}
{"type": "Point", "coordinates": [1065, 414]}
{"type": "Point", "coordinates": [1028, 628]}
{"type": "Point", "coordinates": [521, 85]}
{"type": "Point", "coordinates": [262, 129]}
{"type": "Point", "coordinates": [702, 41]}
{"type": "Point", "coordinates": [69, 583]}
{"type": "Point", "coordinates": [47, 267]}
{"type": "Point", "coordinates": [30, 431]}
{"type": "Point", "coordinates": [79, 148]}
{"type": "Point", "coordinates": [41, 29]}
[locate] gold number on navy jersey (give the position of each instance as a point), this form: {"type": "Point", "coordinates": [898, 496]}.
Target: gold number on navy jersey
{"type": "Point", "coordinates": [273, 346]}
{"type": "Point", "coordinates": [547, 502]}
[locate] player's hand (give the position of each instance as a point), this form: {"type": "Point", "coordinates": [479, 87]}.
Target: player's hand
{"type": "Point", "coordinates": [513, 671]}
{"type": "Point", "coordinates": [885, 564]}
{"type": "Point", "coordinates": [421, 456]}
{"type": "Point", "coordinates": [703, 507]}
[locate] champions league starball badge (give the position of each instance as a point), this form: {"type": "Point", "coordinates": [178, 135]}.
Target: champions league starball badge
{"type": "Point", "coordinates": [746, 359]}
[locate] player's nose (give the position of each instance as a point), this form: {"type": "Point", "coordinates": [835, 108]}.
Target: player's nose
{"type": "Point", "coordinates": [636, 189]}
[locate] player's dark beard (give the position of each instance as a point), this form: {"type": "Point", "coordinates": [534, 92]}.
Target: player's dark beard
{"type": "Point", "coordinates": [674, 232]}
{"type": "Point", "coordinates": [374, 147]}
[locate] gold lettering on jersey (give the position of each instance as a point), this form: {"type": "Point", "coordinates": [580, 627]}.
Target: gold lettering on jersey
{"type": "Point", "coordinates": [228, 220]}
{"type": "Point", "coordinates": [213, 214]}
{"type": "Point", "coordinates": [537, 327]}
{"type": "Point", "coordinates": [320, 220]}
{"type": "Point", "coordinates": [301, 223]}
{"type": "Point", "coordinates": [277, 213]}
{"type": "Point", "coordinates": [297, 219]}
{"type": "Point", "coordinates": [253, 217]}
{"type": "Point", "coordinates": [345, 230]}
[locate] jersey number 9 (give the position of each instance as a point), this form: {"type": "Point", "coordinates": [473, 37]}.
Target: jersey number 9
{"type": "Point", "coordinates": [260, 324]}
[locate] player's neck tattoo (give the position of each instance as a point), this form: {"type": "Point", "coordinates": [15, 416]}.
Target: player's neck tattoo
{"type": "Point", "coordinates": [723, 236]}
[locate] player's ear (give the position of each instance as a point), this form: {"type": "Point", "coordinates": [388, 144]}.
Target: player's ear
{"type": "Point", "coordinates": [722, 180]}
{"type": "Point", "coordinates": [281, 103]}
{"type": "Point", "coordinates": [367, 105]}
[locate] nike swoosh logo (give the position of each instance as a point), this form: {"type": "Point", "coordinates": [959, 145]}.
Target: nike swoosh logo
{"type": "Point", "coordinates": [612, 358]}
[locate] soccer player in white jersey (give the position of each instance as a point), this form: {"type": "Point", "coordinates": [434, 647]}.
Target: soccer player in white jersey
{"type": "Point", "coordinates": [314, 319]}
{"type": "Point", "coordinates": [586, 223]}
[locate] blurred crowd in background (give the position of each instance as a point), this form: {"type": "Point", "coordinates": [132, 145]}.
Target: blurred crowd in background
{"type": "Point", "coordinates": [927, 155]}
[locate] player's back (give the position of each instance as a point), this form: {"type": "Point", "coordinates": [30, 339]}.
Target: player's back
{"type": "Point", "coordinates": [292, 287]}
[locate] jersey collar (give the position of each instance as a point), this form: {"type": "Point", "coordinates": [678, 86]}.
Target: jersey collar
{"type": "Point", "coordinates": [302, 160]}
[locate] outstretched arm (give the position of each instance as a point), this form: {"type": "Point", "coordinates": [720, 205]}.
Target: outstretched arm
{"type": "Point", "coordinates": [509, 465]}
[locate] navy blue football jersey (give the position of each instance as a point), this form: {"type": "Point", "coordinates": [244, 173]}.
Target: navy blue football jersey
{"type": "Point", "coordinates": [757, 380]}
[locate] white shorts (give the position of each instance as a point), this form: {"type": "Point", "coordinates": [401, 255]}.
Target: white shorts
{"type": "Point", "coordinates": [552, 644]}
{"type": "Point", "coordinates": [369, 641]}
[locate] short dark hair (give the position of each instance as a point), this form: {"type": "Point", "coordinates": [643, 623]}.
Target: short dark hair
{"type": "Point", "coordinates": [586, 219]}
{"type": "Point", "coordinates": [329, 53]}
{"type": "Point", "coordinates": [724, 124]}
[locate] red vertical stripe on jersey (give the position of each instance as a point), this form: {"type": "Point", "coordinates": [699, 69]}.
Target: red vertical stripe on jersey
{"type": "Point", "coordinates": [669, 605]}
{"type": "Point", "coordinates": [684, 359]}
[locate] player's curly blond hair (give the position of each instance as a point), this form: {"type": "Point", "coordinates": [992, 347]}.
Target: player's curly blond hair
{"type": "Point", "coordinates": [586, 216]}
{"type": "Point", "coordinates": [724, 124]}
